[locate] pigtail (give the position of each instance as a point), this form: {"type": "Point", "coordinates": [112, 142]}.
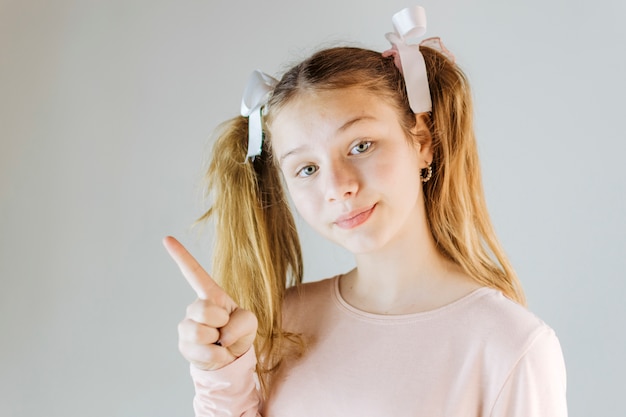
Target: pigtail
{"type": "Point", "coordinates": [455, 201]}
{"type": "Point", "coordinates": [257, 252]}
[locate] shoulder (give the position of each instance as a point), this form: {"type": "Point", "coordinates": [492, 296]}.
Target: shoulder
{"type": "Point", "coordinates": [312, 299]}
{"type": "Point", "coordinates": [309, 293]}
{"type": "Point", "coordinates": [505, 328]}
{"type": "Point", "coordinates": [529, 366]}
{"type": "Point", "coordinates": [496, 310]}
{"type": "Point", "coordinates": [520, 355]}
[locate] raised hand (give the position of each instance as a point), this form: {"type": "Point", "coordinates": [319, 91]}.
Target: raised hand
{"type": "Point", "coordinates": [215, 331]}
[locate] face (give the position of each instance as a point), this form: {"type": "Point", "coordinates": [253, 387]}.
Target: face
{"type": "Point", "coordinates": [351, 171]}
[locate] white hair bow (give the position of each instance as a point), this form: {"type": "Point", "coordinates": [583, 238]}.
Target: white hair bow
{"type": "Point", "coordinates": [409, 25]}
{"type": "Point", "coordinates": [255, 96]}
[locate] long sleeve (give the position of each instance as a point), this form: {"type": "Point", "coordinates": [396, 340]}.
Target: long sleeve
{"type": "Point", "coordinates": [536, 386]}
{"type": "Point", "coordinates": [230, 391]}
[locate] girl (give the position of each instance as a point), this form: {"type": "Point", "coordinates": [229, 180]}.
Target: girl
{"type": "Point", "coordinates": [378, 154]}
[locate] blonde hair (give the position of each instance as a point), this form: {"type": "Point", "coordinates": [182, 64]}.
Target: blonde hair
{"type": "Point", "coordinates": [257, 254]}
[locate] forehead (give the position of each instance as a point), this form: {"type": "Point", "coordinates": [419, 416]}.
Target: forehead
{"type": "Point", "coordinates": [323, 113]}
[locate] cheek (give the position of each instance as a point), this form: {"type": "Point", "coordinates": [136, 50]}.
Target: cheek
{"type": "Point", "coordinates": [301, 199]}
{"type": "Point", "coordinates": [401, 176]}
{"type": "Point", "coordinates": [393, 171]}
{"type": "Point", "coordinates": [307, 206]}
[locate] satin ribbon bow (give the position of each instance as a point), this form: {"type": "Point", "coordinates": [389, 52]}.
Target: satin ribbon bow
{"type": "Point", "coordinates": [409, 25]}
{"type": "Point", "coordinates": [255, 96]}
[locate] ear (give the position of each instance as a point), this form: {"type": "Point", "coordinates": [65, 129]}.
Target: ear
{"type": "Point", "coordinates": [423, 139]}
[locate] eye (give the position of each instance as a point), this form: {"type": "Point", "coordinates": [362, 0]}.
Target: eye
{"type": "Point", "coordinates": [360, 148]}
{"type": "Point", "coordinates": [307, 171]}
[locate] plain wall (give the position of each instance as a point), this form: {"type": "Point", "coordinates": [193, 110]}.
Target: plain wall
{"type": "Point", "coordinates": [106, 110]}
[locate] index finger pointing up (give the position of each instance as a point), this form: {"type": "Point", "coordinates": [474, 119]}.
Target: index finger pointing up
{"type": "Point", "coordinates": [196, 276]}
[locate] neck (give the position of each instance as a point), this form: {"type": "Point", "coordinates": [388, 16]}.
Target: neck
{"type": "Point", "coordinates": [408, 275]}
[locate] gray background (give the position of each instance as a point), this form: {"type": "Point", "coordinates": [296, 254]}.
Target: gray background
{"type": "Point", "coordinates": [106, 109]}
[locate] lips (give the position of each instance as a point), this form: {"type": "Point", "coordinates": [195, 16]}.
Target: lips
{"type": "Point", "coordinates": [355, 218]}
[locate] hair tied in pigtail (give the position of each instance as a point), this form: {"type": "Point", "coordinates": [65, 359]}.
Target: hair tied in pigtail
{"type": "Point", "coordinates": [410, 25]}
{"type": "Point", "coordinates": [258, 90]}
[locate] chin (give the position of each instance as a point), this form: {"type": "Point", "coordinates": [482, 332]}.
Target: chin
{"type": "Point", "coordinates": [361, 245]}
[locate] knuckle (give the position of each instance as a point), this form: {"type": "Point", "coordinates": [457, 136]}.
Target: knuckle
{"type": "Point", "coordinates": [220, 317]}
{"type": "Point", "coordinates": [190, 331]}
{"type": "Point", "coordinates": [252, 318]}
{"type": "Point", "coordinates": [189, 310]}
{"type": "Point", "coordinates": [248, 318]}
{"type": "Point", "coordinates": [197, 334]}
{"type": "Point", "coordinates": [183, 326]}
{"type": "Point", "coordinates": [193, 308]}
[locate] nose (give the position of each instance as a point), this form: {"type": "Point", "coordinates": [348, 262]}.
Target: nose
{"type": "Point", "coordinates": [342, 181]}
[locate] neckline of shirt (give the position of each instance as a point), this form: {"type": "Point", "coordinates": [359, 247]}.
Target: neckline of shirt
{"type": "Point", "coordinates": [342, 304]}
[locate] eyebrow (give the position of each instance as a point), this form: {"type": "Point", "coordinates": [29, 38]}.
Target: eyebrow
{"type": "Point", "coordinates": [351, 122]}
{"type": "Point", "coordinates": [342, 128]}
{"type": "Point", "coordinates": [291, 152]}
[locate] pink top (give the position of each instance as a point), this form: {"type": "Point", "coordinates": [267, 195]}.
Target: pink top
{"type": "Point", "coordinates": [482, 355]}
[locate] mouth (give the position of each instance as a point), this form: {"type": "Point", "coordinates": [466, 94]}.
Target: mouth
{"type": "Point", "coordinates": [355, 218]}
